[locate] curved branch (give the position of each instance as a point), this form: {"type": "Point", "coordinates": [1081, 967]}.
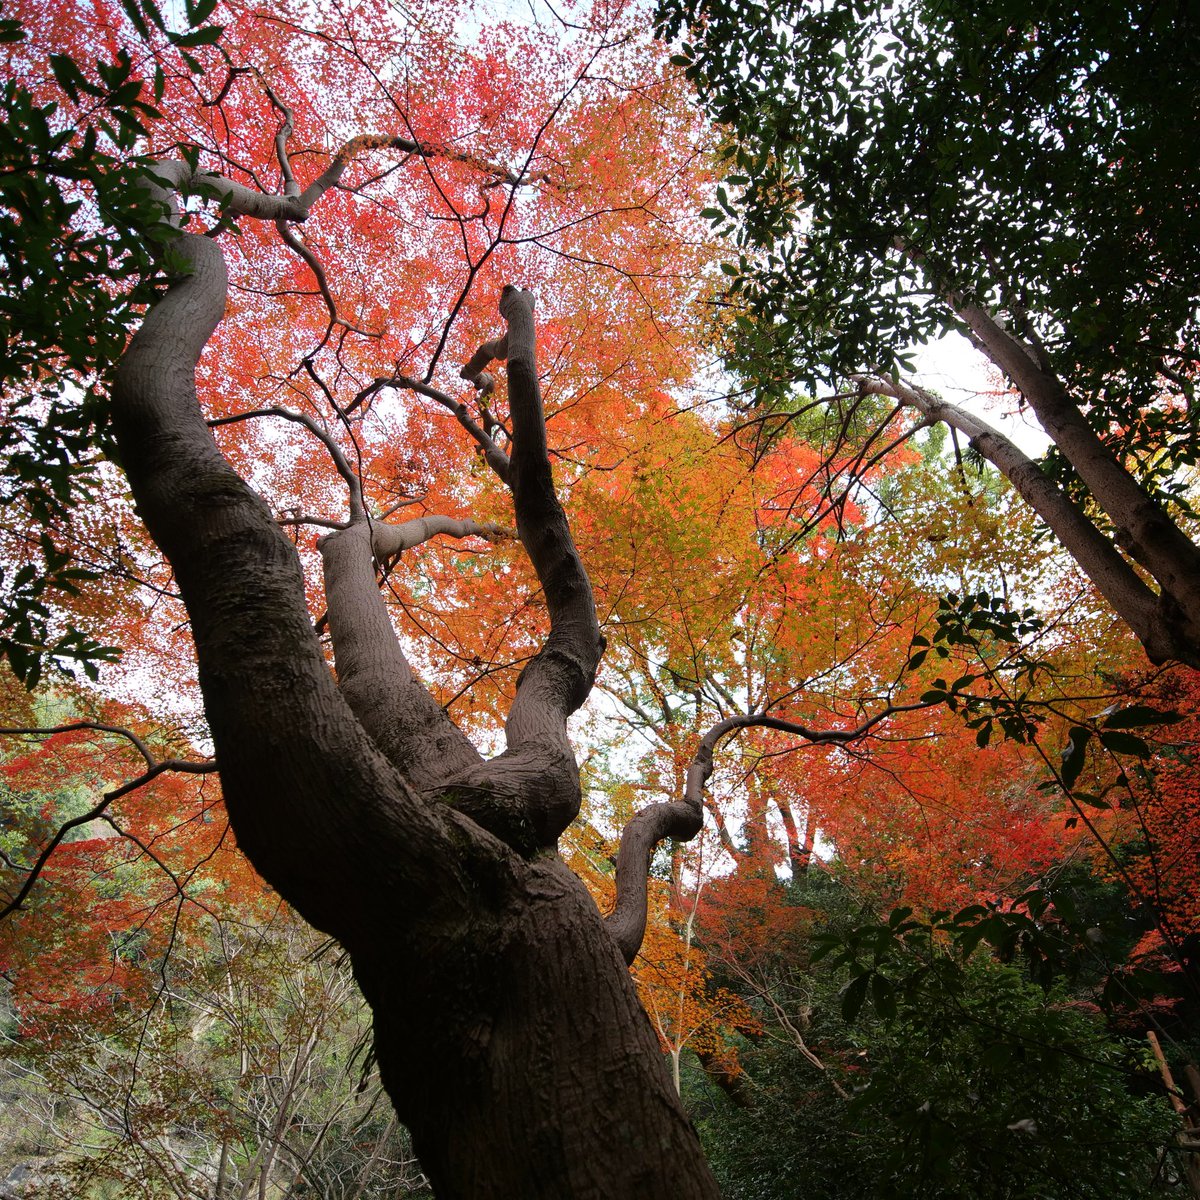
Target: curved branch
{"type": "Point", "coordinates": [340, 462]}
{"type": "Point", "coordinates": [283, 135]}
{"type": "Point", "coordinates": [321, 813]}
{"type": "Point", "coordinates": [155, 767]}
{"type": "Point", "coordinates": [177, 175]}
{"type": "Point", "coordinates": [683, 819]}
{"type": "Point", "coordinates": [530, 793]}
{"type": "Point", "coordinates": [314, 265]}
{"type": "Point", "coordinates": [561, 677]}
{"type": "Point", "coordinates": [77, 727]}
{"type": "Point", "coordinates": [1133, 601]}
{"type": "Point", "coordinates": [494, 456]}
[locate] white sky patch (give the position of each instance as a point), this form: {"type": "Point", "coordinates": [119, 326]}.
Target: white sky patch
{"type": "Point", "coordinates": [956, 371]}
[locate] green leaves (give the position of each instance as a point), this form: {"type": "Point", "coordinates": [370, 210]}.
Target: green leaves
{"type": "Point", "coordinates": [77, 234]}
{"type": "Point", "coordinates": [994, 637]}
{"type": "Point", "coordinates": [899, 155]}
{"type": "Point", "coordinates": [1073, 755]}
{"type": "Point", "coordinates": [1111, 733]}
{"type": "Point", "coordinates": [31, 637]}
{"type": "Point", "coordinates": [894, 963]}
{"type": "Point", "coordinates": [1135, 716]}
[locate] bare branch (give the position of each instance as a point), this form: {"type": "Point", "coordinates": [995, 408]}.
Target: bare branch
{"type": "Point", "coordinates": [155, 767]}
{"type": "Point", "coordinates": [387, 541]}
{"type": "Point", "coordinates": [1115, 578]}
{"type": "Point", "coordinates": [286, 129]}
{"type": "Point", "coordinates": [76, 727]}
{"type": "Point", "coordinates": [314, 265]}
{"type": "Point", "coordinates": [340, 462]}
{"type": "Point", "coordinates": [683, 819]}
{"type": "Point", "coordinates": [177, 175]}
{"type": "Point", "coordinates": [530, 793]}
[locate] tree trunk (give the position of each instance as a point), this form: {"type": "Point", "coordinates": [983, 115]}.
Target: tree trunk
{"type": "Point", "coordinates": [524, 1066]}
{"type": "Point", "coordinates": [508, 1032]}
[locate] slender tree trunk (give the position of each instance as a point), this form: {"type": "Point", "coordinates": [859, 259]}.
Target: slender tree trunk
{"type": "Point", "coordinates": [1160, 623]}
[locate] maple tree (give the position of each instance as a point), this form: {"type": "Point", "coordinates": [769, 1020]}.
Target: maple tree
{"type": "Point", "coordinates": [155, 986]}
{"type": "Point", "coordinates": [1166, 813]}
{"type": "Point", "coordinates": [358, 797]}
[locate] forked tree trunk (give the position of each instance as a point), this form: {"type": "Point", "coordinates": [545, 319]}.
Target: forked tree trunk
{"type": "Point", "coordinates": [507, 1029]}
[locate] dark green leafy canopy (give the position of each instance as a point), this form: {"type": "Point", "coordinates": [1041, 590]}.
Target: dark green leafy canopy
{"type": "Point", "coordinates": [1037, 158]}
{"type": "Point", "coordinates": [77, 262]}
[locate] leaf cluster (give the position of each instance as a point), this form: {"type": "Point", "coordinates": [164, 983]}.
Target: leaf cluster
{"type": "Point", "coordinates": [995, 637]}
{"type": "Point", "coordinates": [889, 163]}
{"type": "Point", "coordinates": [963, 1078]}
{"type": "Point", "coordinates": [79, 240]}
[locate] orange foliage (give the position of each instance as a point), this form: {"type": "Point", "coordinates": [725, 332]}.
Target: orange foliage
{"type": "Point", "coordinates": [1167, 872]}
{"type": "Point", "coordinates": [108, 907]}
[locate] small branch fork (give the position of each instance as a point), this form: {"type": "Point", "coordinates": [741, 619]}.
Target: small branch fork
{"type": "Point", "coordinates": [154, 768]}
{"type": "Point", "coordinates": [482, 435]}
{"type": "Point", "coordinates": [295, 204]}
{"type": "Point", "coordinates": [683, 819]}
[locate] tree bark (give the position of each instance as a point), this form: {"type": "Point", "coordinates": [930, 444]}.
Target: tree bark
{"type": "Point", "coordinates": [1169, 625]}
{"type": "Point", "coordinates": [1159, 621]}
{"type": "Point", "coordinates": [1143, 528]}
{"type": "Point", "coordinates": [527, 1067]}
{"type": "Point", "coordinates": [507, 1029]}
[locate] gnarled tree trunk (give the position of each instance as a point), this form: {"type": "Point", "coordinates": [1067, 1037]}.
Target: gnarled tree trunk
{"type": "Point", "coordinates": [508, 1032]}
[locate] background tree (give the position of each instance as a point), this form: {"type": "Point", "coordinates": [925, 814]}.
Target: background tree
{"type": "Point", "coordinates": [898, 171]}
{"type": "Point", "coordinates": [946, 1075]}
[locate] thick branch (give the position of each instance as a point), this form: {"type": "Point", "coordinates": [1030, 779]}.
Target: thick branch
{"type": "Point", "coordinates": [176, 175]}
{"type": "Point", "coordinates": [321, 813]}
{"type": "Point", "coordinates": [1142, 526]}
{"type": "Point", "coordinates": [374, 675]}
{"type": "Point", "coordinates": [683, 819]}
{"type": "Point", "coordinates": [1114, 577]}
{"type": "Point", "coordinates": [562, 674]}
{"type": "Point", "coordinates": [390, 540]}
{"type": "Point", "coordinates": [530, 793]}
{"type": "Point", "coordinates": [402, 717]}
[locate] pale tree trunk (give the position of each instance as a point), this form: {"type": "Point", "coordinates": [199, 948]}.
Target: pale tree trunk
{"type": "Point", "coordinates": [1167, 622]}
{"type": "Point", "coordinates": [507, 1029]}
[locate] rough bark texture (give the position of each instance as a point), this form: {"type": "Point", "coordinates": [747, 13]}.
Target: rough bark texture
{"type": "Point", "coordinates": [507, 1029]}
